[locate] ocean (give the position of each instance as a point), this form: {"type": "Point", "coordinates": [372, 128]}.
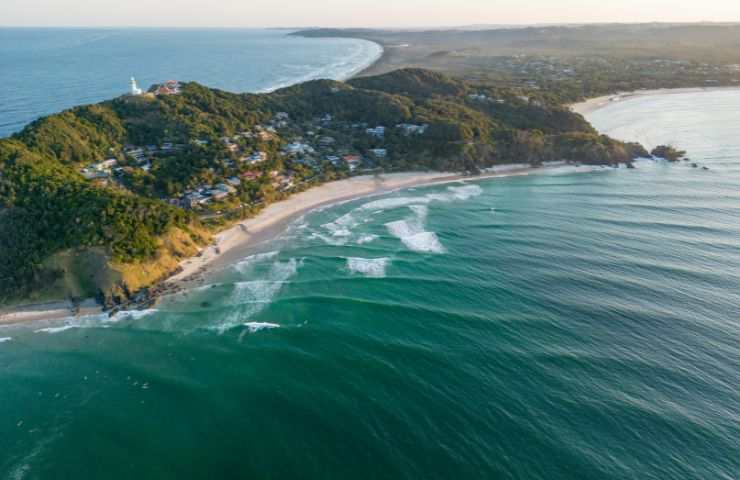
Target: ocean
{"type": "Point", "coordinates": [581, 323]}
{"type": "Point", "coordinates": [43, 71]}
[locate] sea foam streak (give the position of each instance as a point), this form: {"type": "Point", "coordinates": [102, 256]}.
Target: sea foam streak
{"type": "Point", "coordinates": [5, 339]}
{"type": "Point", "coordinates": [53, 330]}
{"type": "Point", "coordinates": [244, 265]}
{"type": "Point", "coordinates": [255, 327]}
{"type": "Point", "coordinates": [251, 297]}
{"type": "Point", "coordinates": [370, 267]}
{"type": "Point", "coordinates": [366, 239]}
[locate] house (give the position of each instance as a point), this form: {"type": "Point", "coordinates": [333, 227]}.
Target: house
{"type": "Point", "coordinates": [106, 165]}
{"type": "Point", "coordinates": [353, 161]}
{"type": "Point", "coordinates": [327, 141]}
{"type": "Point", "coordinates": [333, 159]}
{"type": "Point", "coordinates": [201, 143]}
{"type": "Point", "coordinates": [411, 129]}
{"type": "Point", "coordinates": [264, 134]}
{"type": "Point", "coordinates": [249, 175]}
{"type": "Point", "coordinates": [378, 132]}
{"type": "Point", "coordinates": [379, 152]}
{"type": "Point", "coordinates": [193, 199]}
{"type": "Point", "coordinates": [282, 116]}
{"type": "Point", "coordinates": [170, 87]}
{"type": "Point", "coordinates": [137, 154]}
{"type": "Point", "coordinates": [217, 194]}
{"type": "Point", "coordinates": [298, 148]}
{"type": "Point", "coordinates": [255, 158]}
{"type": "Point", "coordinates": [234, 181]}
{"type": "Point", "coordinates": [93, 174]}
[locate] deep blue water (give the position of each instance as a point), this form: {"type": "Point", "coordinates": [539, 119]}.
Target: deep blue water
{"type": "Point", "coordinates": [43, 71]}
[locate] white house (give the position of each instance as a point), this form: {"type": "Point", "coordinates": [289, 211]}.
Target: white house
{"type": "Point", "coordinates": [379, 152]}
{"type": "Point", "coordinates": [378, 132]}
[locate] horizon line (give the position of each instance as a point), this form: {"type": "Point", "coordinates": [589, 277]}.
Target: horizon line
{"type": "Point", "coordinates": [404, 28]}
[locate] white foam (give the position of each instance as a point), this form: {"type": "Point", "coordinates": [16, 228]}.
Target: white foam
{"type": "Point", "coordinates": [366, 239]}
{"type": "Point", "coordinates": [254, 292]}
{"type": "Point", "coordinates": [336, 241]}
{"type": "Point", "coordinates": [370, 267]}
{"type": "Point", "coordinates": [341, 227]}
{"type": "Point", "coordinates": [465, 192]}
{"type": "Point", "coordinates": [423, 242]}
{"type": "Point", "coordinates": [456, 193]}
{"type": "Point", "coordinates": [130, 315]}
{"type": "Point", "coordinates": [244, 265]}
{"type": "Point", "coordinates": [255, 327]}
{"type": "Point", "coordinates": [54, 330]}
{"type": "Point", "coordinates": [253, 296]}
{"type": "Point", "coordinates": [5, 339]}
{"type": "Point", "coordinates": [394, 202]}
{"type": "Point", "coordinates": [404, 228]}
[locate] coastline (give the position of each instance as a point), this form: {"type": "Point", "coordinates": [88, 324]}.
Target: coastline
{"type": "Point", "coordinates": [597, 103]}
{"type": "Point", "coordinates": [242, 238]}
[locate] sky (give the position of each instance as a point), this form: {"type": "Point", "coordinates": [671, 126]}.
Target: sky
{"type": "Point", "coordinates": [356, 13]}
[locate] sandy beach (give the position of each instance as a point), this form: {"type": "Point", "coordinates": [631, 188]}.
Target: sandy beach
{"type": "Point", "coordinates": [593, 104]}
{"type": "Point", "coordinates": [48, 311]}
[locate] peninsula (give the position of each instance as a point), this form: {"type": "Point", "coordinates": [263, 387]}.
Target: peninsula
{"type": "Point", "coordinates": [107, 200]}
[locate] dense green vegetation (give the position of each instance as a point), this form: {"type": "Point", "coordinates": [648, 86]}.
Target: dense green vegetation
{"type": "Point", "coordinates": [669, 153]}
{"type": "Point", "coordinates": [47, 206]}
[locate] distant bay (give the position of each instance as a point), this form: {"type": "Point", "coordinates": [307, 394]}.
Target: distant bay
{"type": "Point", "coordinates": [43, 71]}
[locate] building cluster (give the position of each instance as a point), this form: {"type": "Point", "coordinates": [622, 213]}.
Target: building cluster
{"type": "Point", "coordinates": [310, 144]}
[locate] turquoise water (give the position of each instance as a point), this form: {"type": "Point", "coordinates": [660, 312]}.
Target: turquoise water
{"type": "Point", "coordinates": [43, 71]}
{"type": "Point", "coordinates": [565, 325]}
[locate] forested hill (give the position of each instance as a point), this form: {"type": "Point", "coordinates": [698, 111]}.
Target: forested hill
{"type": "Point", "coordinates": [137, 182]}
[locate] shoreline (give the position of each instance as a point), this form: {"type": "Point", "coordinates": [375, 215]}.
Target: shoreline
{"type": "Point", "coordinates": [597, 103]}
{"type": "Point", "coordinates": [48, 311]}
{"type": "Point", "coordinates": [242, 238]}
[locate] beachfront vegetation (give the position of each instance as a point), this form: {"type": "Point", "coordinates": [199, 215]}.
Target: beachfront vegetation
{"type": "Point", "coordinates": [123, 174]}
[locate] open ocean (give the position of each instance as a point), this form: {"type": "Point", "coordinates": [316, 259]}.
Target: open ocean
{"type": "Point", "coordinates": [570, 325]}
{"type": "Point", "coordinates": [43, 71]}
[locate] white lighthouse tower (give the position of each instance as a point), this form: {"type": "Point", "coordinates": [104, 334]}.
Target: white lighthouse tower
{"type": "Point", "coordinates": [135, 90]}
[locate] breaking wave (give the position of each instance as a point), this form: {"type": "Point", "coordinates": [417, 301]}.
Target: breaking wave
{"type": "Point", "coordinates": [369, 267]}
{"type": "Point", "coordinates": [251, 297]}
{"type": "Point", "coordinates": [244, 265]}
{"type": "Point", "coordinates": [254, 327]}
{"type": "Point", "coordinates": [5, 339]}
{"type": "Point", "coordinates": [102, 320]}
{"type": "Point", "coordinates": [412, 232]}
{"type": "Point", "coordinates": [424, 242]}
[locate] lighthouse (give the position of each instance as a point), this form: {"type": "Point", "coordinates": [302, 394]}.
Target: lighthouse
{"type": "Point", "coordinates": [135, 90]}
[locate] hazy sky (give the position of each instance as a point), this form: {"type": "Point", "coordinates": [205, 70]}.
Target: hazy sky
{"type": "Point", "coordinates": [356, 13]}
